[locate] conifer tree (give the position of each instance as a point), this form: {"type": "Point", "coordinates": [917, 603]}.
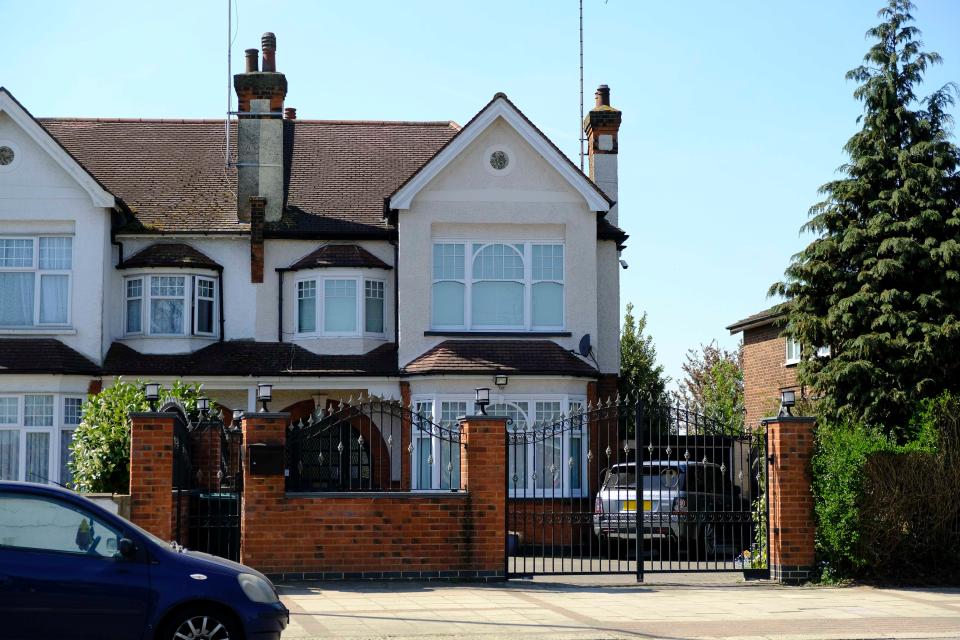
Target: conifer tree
{"type": "Point", "coordinates": [641, 378]}
{"type": "Point", "coordinates": [880, 284]}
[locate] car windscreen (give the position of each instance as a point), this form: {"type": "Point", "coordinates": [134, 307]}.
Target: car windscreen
{"type": "Point", "coordinates": [654, 478]}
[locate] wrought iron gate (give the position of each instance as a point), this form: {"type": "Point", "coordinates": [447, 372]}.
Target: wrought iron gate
{"type": "Point", "coordinates": [207, 484]}
{"type": "Point", "coordinates": [634, 488]}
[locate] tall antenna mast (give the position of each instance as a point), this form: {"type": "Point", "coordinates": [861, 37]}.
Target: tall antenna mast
{"type": "Point", "coordinates": [581, 87]}
{"type": "Point", "coordinates": [226, 126]}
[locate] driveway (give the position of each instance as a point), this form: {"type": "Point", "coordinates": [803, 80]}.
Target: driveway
{"type": "Point", "coordinates": [706, 606]}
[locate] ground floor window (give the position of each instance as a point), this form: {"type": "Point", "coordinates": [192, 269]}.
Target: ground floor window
{"type": "Point", "coordinates": [548, 460]}
{"type": "Point", "coordinates": [36, 430]}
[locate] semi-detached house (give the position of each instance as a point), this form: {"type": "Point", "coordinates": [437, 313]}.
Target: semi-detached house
{"type": "Point", "coordinates": [413, 260]}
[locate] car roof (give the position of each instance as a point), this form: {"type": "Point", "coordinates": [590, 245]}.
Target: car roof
{"type": "Point", "coordinates": [35, 488]}
{"type": "Point", "coordinates": [666, 463]}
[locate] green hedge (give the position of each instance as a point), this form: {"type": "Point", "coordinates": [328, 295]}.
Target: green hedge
{"type": "Point", "coordinates": [885, 510]}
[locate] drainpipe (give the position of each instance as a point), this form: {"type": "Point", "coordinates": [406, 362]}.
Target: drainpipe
{"type": "Point", "coordinates": [220, 291]}
{"type": "Point", "coordinates": [280, 273]}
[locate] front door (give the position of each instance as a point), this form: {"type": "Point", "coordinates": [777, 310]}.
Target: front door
{"type": "Point", "coordinates": [61, 574]}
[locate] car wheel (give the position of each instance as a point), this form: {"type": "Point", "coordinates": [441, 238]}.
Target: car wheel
{"type": "Point", "coordinates": [707, 542]}
{"type": "Point", "coordinates": [200, 623]}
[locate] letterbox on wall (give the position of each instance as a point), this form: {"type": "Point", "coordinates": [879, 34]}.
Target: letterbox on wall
{"type": "Point", "coordinates": [265, 459]}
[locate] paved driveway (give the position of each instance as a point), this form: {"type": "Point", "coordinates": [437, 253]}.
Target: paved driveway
{"type": "Point", "coordinates": [697, 607]}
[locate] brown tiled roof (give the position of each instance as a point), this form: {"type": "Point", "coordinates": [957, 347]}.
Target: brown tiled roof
{"type": "Point", "coordinates": [248, 358]}
{"type": "Point", "coordinates": [42, 355]}
{"type": "Point", "coordinates": [758, 319]}
{"type": "Point", "coordinates": [339, 255]}
{"type": "Point", "coordinates": [519, 357]}
{"type": "Point", "coordinates": [171, 173]}
{"type": "Point", "coordinates": [169, 255]}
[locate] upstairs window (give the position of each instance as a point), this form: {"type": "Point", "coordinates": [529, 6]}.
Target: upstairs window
{"type": "Point", "coordinates": [35, 278]}
{"type": "Point", "coordinates": [170, 305]}
{"type": "Point", "coordinates": [793, 351]}
{"type": "Point", "coordinates": [333, 306]}
{"type": "Point", "coordinates": [498, 286]}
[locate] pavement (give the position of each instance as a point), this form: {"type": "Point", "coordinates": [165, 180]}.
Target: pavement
{"type": "Point", "coordinates": [664, 606]}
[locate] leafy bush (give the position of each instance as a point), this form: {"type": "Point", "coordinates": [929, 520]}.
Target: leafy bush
{"type": "Point", "coordinates": [101, 443]}
{"type": "Point", "coordinates": [888, 511]}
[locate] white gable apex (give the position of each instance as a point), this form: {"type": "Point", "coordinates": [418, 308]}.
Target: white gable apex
{"type": "Point", "coordinates": [100, 196]}
{"type": "Point", "coordinates": [500, 107]}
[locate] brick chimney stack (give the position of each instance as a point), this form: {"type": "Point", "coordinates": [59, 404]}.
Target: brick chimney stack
{"type": "Point", "coordinates": [260, 96]}
{"type": "Point", "coordinates": [602, 127]}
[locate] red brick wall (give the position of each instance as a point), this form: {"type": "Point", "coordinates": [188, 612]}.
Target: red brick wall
{"type": "Point", "coordinates": [764, 372]}
{"type": "Point", "coordinates": [792, 524]}
{"type": "Point", "coordinates": [378, 534]}
{"type": "Point", "coordinates": [151, 472]}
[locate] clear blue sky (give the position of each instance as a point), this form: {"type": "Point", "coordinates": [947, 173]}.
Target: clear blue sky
{"type": "Point", "coordinates": [733, 112]}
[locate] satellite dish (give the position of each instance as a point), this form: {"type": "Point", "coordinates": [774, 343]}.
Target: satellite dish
{"type": "Point", "coordinates": [585, 347]}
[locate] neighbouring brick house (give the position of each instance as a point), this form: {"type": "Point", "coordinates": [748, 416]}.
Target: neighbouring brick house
{"type": "Point", "coordinates": [769, 364]}
{"type": "Point", "coordinates": [415, 260]}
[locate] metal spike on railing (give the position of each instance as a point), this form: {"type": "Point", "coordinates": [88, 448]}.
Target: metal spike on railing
{"type": "Point", "coordinates": [300, 424]}
{"type": "Point", "coordinates": [617, 399]}
{"type": "Point", "coordinates": [686, 455]}
{"type": "Point", "coordinates": [650, 448]}
{"type": "Point", "coordinates": [360, 399]}
{"type": "Point", "coordinates": [410, 447]}
{"type": "Point", "coordinates": [626, 449]}
{"type": "Point", "coordinates": [570, 462]}
{"type": "Point", "coordinates": [290, 427]}
{"type": "Point", "coordinates": [340, 447]}
{"type": "Point", "coordinates": [320, 457]}
{"type": "Point", "coordinates": [608, 451]}
{"type": "Point", "coordinates": [589, 455]}
{"type": "Point", "coordinates": [350, 401]}
{"type": "Point", "coordinates": [311, 421]}
{"type": "Point", "coordinates": [360, 441]}
{"type": "Point", "coordinates": [390, 441]}
{"type": "Point", "coordinates": [430, 459]}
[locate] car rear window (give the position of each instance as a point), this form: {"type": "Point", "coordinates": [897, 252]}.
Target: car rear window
{"type": "Point", "coordinates": [654, 478]}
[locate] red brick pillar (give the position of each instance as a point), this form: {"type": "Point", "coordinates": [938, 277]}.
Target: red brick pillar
{"type": "Point", "coordinates": [484, 475]}
{"type": "Point", "coordinates": [792, 524]}
{"type": "Point", "coordinates": [261, 526]}
{"type": "Point", "coordinates": [151, 472]}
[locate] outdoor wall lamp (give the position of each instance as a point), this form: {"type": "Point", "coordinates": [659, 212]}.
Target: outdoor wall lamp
{"type": "Point", "coordinates": [151, 392]}
{"type": "Point", "coordinates": [500, 381]}
{"type": "Point", "coordinates": [203, 405]}
{"type": "Point", "coordinates": [788, 398]}
{"type": "Point", "coordinates": [237, 417]}
{"type": "Point", "coordinates": [483, 399]}
{"type": "Point", "coordinates": [264, 394]}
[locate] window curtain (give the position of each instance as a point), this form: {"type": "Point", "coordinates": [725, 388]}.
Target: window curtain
{"type": "Point", "coordinates": [340, 306]}
{"type": "Point", "coordinates": [166, 316]}
{"type": "Point", "coordinates": [54, 293]}
{"type": "Point", "coordinates": [9, 454]}
{"type": "Point", "coordinates": [16, 299]}
{"type": "Point", "coordinates": [38, 457]}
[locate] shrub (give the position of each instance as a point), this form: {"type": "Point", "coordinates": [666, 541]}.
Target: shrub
{"type": "Point", "coordinates": [888, 511]}
{"type": "Point", "coordinates": [101, 443]}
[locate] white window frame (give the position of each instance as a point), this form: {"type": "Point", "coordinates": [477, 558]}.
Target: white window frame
{"type": "Point", "coordinates": [792, 358]}
{"type": "Point", "coordinates": [39, 273]}
{"type": "Point", "coordinates": [320, 280]}
{"type": "Point", "coordinates": [55, 432]}
{"type": "Point", "coordinates": [189, 298]}
{"type": "Point", "coordinates": [567, 403]}
{"type": "Point", "coordinates": [196, 306]}
{"type": "Point", "coordinates": [471, 247]}
{"type": "Point", "coordinates": [383, 286]}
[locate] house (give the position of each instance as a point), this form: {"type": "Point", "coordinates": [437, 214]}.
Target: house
{"type": "Point", "coordinates": [769, 363]}
{"type": "Point", "coordinates": [332, 259]}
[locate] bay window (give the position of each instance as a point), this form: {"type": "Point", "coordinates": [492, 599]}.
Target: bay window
{"type": "Point", "coordinates": [170, 305]}
{"type": "Point", "coordinates": [498, 286]}
{"type": "Point", "coordinates": [333, 306]}
{"type": "Point", "coordinates": [545, 459]}
{"type": "Point", "coordinates": [35, 281]}
{"type": "Point", "coordinates": [36, 430]}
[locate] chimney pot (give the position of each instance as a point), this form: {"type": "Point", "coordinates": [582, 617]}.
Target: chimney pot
{"type": "Point", "coordinates": [251, 60]}
{"type": "Point", "coordinates": [290, 113]}
{"type": "Point", "coordinates": [269, 45]}
{"type": "Point", "coordinates": [603, 95]}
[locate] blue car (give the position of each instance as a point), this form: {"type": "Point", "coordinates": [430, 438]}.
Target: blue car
{"type": "Point", "coordinates": [70, 569]}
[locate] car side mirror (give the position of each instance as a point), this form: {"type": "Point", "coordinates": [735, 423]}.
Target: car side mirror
{"type": "Point", "coordinates": [127, 548]}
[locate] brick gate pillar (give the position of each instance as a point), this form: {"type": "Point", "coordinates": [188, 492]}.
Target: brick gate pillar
{"type": "Point", "coordinates": [264, 485]}
{"type": "Point", "coordinates": [792, 525]}
{"type": "Point", "coordinates": [484, 475]}
{"type": "Point", "coordinates": [151, 472]}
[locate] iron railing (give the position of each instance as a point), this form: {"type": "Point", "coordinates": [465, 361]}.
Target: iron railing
{"type": "Point", "coordinates": [373, 444]}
